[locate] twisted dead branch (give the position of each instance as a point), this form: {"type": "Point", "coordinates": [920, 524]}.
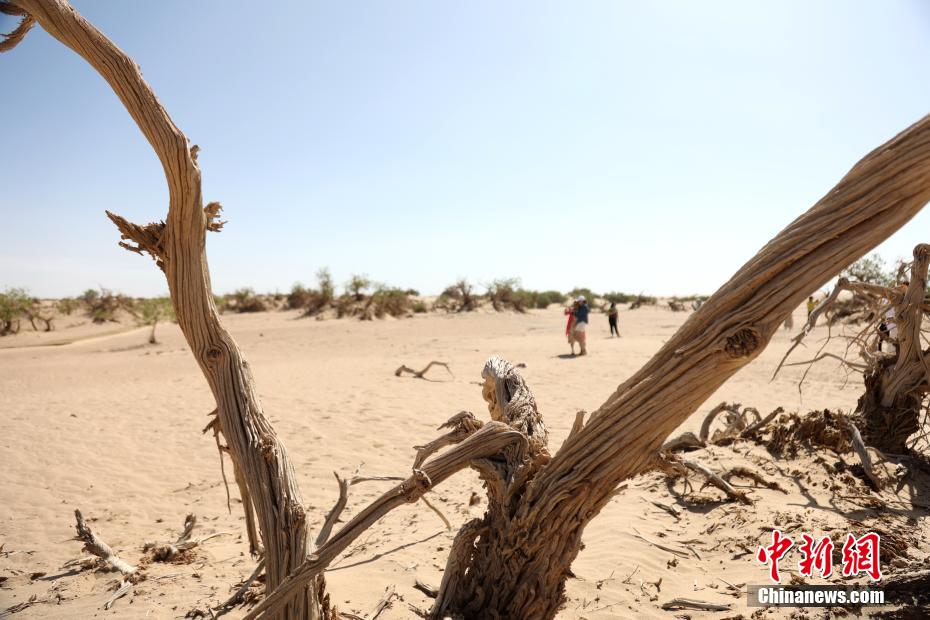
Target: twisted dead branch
{"type": "Point", "coordinates": [95, 545]}
{"type": "Point", "coordinates": [418, 374]}
{"type": "Point", "coordinates": [896, 382]}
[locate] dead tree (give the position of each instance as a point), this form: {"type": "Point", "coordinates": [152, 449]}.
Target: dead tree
{"type": "Point", "coordinates": [512, 563]}
{"type": "Point", "coordinates": [897, 379]}
{"type": "Point", "coordinates": [178, 247]}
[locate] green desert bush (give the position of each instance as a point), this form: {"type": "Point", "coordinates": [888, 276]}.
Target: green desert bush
{"type": "Point", "coordinates": [245, 300]}
{"type": "Point", "coordinates": [389, 301]}
{"type": "Point", "coordinates": [616, 297]}
{"type": "Point", "coordinates": [67, 305]}
{"type": "Point", "coordinates": [871, 269]}
{"type": "Point", "coordinates": [299, 297]}
{"type": "Point", "coordinates": [357, 285]}
{"type": "Point", "coordinates": [505, 293]}
{"type": "Point", "coordinates": [544, 299]}
{"type": "Point", "coordinates": [642, 300]}
{"type": "Point", "coordinates": [14, 304]}
{"type": "Point", "coordinates": [102, 306]}
{"type": "Point", "coordinates": [459, 297]}
{"type": "Point", "coordinates": [586, 292]}
{"type": "Point", "coordinates": [151, 311]}
{"type": "Point", "coordinates": [420, 307]}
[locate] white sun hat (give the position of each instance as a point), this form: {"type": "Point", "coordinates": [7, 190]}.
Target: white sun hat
{"type": "Point", "coordinates": [579, 298]}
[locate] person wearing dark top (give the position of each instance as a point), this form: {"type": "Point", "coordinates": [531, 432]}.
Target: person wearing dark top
{"type": "Point", "coordinates": [581, 323]}
{"type": "Point", "coordinates": [612, 315]}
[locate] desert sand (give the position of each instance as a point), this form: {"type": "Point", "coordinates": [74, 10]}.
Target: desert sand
{"type": "Point", "coordinates": [112, 425]}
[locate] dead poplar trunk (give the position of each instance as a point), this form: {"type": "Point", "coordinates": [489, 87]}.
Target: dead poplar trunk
{"type": "Point", "coordinates": [895, 388]}
{"type": "Point", "coordinates": [178, 247]}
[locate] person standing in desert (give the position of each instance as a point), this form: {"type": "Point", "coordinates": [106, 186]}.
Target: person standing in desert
{"type": "Point", "coordinates": [612, 316]}
{"type": "Point", "coordinates": [581, 324]}
{"type": "Point", "coordinates": [570, 326]}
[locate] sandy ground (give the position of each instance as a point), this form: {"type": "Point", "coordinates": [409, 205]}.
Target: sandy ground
{"type": "Point", "coordinates": [112, 426]}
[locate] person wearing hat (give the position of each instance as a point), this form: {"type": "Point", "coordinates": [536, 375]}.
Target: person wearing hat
{"type": "Point", "coordinates": [581, 324]}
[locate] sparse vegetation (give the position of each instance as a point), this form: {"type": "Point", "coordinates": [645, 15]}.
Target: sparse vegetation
{"type": "Point", "coordinates": [616, 297]}
{"type": "Point", "coordinates": [642, 300]}
{"type": "Point", "coordinates": [459, 297]}
{"type": "Point", "coordinates": [357, 285]}
{"type": "Point", "coordinates": [245, 300]}
{"type": "Point", "coordinates": [505, 294]}
{"type": "Point", "coordinates": [67, 305]}
{"type": "Point", "coordinates": [14, 303]}
{"type": "Point", "coordinates": [586, 292]}
{"type": "Point", "coordinates": [151, 311]}
{"type": "Point", "coordinates": [389, 301]}
{"type": "Point", "coordinates": [871, 270]}
{"type": "Point", "coordinates": [102, 306]}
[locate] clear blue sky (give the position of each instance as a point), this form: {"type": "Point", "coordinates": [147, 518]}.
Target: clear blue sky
{"type": "Point", "coordinates": [635, 146]}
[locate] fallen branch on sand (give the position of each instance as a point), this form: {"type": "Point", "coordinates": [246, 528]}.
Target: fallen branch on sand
{"type": "Point", "coordinates": [419, 374]}
{"type": "Point", "coordinates": [864, 458]}
{"type": "Point", "coordinates": [94, 545]}
{"type": "Point", "coordinates": [687, 603]}
{"type": "Point", "coordinates": [677, 467]}
{"type": "Point", "coordinates": [123, 590]}
{"type": "Point", "coordinates": [748, 474]}
{"type": "Point", "coordinates": [227, 606]}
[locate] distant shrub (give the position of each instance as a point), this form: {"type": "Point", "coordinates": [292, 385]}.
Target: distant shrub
{"type": "Point", "coordinates": [642, 300]}
{"type": "Point", "coordinates": [412, 292]}
{"type": "Point", "coordinates": [871, 269]}
{"type": "Point", "coordinates": [67, 305]}
{"type": "Point", "coordinates": [615, 297]}
{"type": "Point", "coordinates": [544, 299]}
{"type": "Point", "coordinates": [586, 292]}
{"type": "Point", "coordinates": [313, 301]}
{"type": "Point", "coordinates": [690, 298]}
{"type": "Point", "coordinates": [14, 304]}
{"type": "Point", "coordinates": [390, 301]}
{"type": "Point", "coordinates": [102, 306]}
{"type": "Point", "coordinates": [151, 311]}
{"type": "Point", "coordinates": [324, 282]}
{"type": "Point", "coordinates": [459, 297]}
{"type": "Point", "coordinates": [357, 285]}
{"type": "Point", "coordinates": [420, 307]}
{"type": "Point", "coordinates": [505, 293]}
{"type": "Point", "coordinates": [221, 303]}
{"type": "Point", "coordinates": [298, 297]}
{"type": "Point", "coordinates": [245, 300]}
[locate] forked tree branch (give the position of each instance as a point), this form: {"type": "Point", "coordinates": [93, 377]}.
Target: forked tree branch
{"type": "Point", "coordinates": [491, 440]}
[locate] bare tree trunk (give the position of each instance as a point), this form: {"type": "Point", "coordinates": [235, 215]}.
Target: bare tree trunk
{"type": "Point", "coordinates": [178, 247]}
{"type": "Point", "coordinates": [896, 387]}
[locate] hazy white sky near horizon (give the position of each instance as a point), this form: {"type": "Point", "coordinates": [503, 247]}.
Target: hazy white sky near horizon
{"type": "Point", "coordinates": [634, 146]}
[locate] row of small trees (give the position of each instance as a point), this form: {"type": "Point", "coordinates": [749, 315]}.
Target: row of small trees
{"type": "Point", "coordinates": [361, 298]}
{"type": "Point", "coordinates": [100, 306]}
